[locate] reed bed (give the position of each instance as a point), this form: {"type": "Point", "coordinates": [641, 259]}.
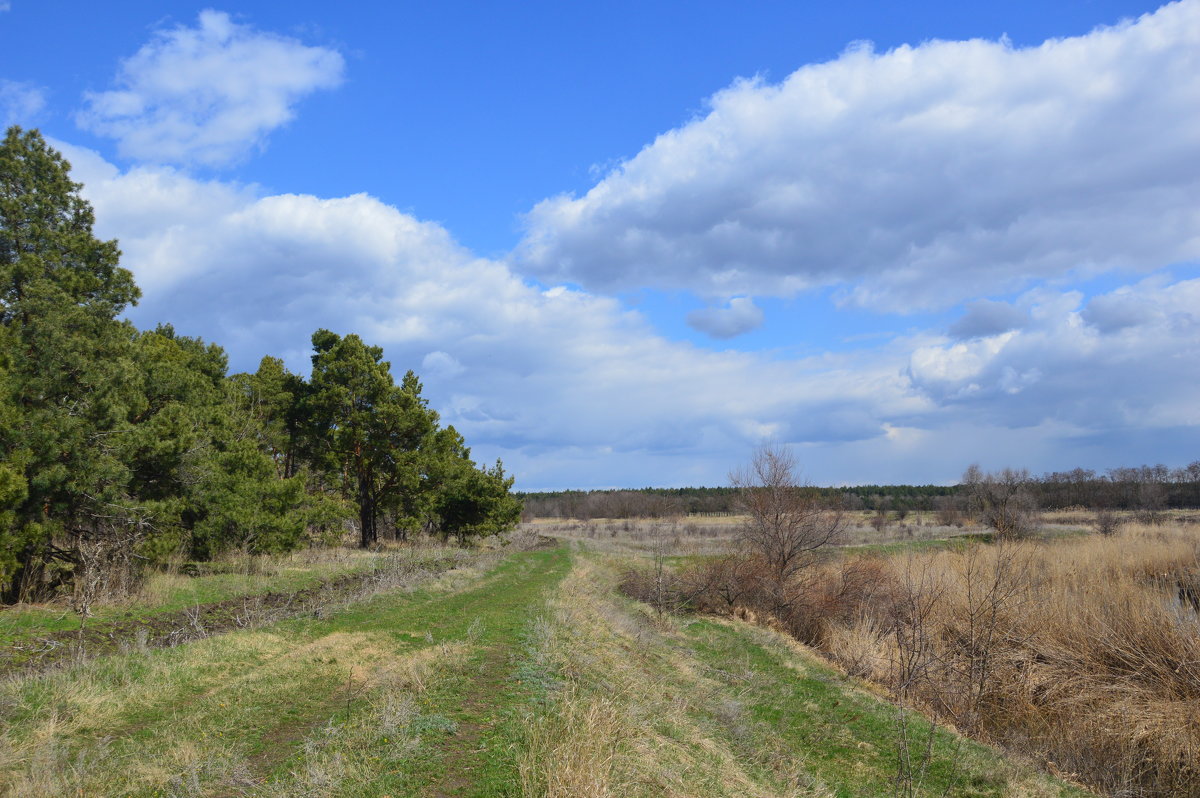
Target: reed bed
{"type": "Point", "coordinates": [1083, 653]}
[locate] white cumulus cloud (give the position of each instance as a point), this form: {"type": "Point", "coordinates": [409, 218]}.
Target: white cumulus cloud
{"type": "Point", "coordinates": [546, 377]}
{"type": "Point", "coordinates": [209, 94]}
{"type": "Point", "coordinates": [913, 178]}
{"type": "Point", "coordinates": [1123, 362]}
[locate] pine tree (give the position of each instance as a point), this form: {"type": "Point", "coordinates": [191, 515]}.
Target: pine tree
{"type": "Point", "coordinates": [366, 431]}
{"type": "Point", "coordinates": [71, 377]}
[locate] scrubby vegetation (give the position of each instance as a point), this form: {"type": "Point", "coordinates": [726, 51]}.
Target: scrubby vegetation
{"type": "Point", "coordinates": [1147, 490]}
{"type": "Point", "coordinates": [1082, 652]}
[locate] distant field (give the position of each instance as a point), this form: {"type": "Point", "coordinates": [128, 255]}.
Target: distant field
{"type": "Point", "coordinates": [701, 536]}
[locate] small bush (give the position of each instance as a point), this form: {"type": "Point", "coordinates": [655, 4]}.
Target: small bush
{"type": "Point", "coordinates": [948, 510]}
{"type": "Point", "coordinates": [1107, 523]}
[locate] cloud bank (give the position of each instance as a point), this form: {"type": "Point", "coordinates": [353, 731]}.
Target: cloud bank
{"type": "Point", "coordinates": [913, 179]}
{"type": "Point", "coordinates": [207, 95]}
{"type": "Point", "coordinates": [530, 372]}
{"type": "Point", "coordinates": [572, 389]}
{"type": "Point", "coordinates": [926, 177]}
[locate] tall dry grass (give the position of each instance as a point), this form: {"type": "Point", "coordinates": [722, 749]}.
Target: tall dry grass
{"type": "Point", "coordinates": [1084, 653]}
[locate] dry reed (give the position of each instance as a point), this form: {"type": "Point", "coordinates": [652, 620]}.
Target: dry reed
{"type": "Point", "coordinates": [1084, 653]}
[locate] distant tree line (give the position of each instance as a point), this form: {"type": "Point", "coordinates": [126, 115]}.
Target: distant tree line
{"type": "Point", "coordinates": [1138, 488]}
{"type": "Point", "coordinates": [642, 503]}
{"type": "Point", "coordinates": [119, 446]}
{"type": "Point", "coordinates": [665, 502]}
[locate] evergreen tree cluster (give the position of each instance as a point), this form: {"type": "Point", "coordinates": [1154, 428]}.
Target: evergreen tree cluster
{"type": "Point", "coordinates": [120, 446]}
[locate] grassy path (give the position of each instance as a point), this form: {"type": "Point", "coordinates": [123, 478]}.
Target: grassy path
{"type": "Point", "coordinates": [381, 698]}
{"type": "Point", "coordinates": [532, 678]}
{"type": "Point", "coordinates": [684, 706]}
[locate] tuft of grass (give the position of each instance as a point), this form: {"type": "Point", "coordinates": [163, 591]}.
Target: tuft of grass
{"type": "Point", "coordinates": [573, 752]}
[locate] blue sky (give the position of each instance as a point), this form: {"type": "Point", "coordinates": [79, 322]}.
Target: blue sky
{"type": "Point", "coordinates": [625, 243]}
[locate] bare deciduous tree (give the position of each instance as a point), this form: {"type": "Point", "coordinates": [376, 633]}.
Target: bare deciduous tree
{"type": "Point", "coordinates": [1002, 500]}
{"type": "Point", "coordinates": [1152, 500]}
{"type": "Point", "coordinates": [786, 521]}
{"type": "Point", "coordinates": [948, 510]}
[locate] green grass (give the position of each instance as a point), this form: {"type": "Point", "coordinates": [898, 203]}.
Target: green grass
{"type": "Point", "coordinates": [847, 739]}
{"type": "Point", "coordinates": [487, 698]}
{"type": "Point", "coordinates": [262, 712]}
{"type": "Point", "coordinates": [165, 593]}
{"type": "Point", "coordinates": [956, 543]}
{"type": "Point", "coordinates": [898, 547]}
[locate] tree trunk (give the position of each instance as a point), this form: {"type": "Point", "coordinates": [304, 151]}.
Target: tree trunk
{"type": "Point", "coordinates": [366, 516]}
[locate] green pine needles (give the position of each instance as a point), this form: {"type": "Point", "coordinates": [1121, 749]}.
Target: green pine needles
{"type": "Point", "coordinates": [119, 447]}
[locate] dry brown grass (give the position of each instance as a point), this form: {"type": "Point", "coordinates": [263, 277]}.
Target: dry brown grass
{"type": "Point", "coordinates": [706, 537]}
{"type": "Point", "coordinates": [1084, 653]}
{"type": "Point", "coordinates": [574, 753]}
{"type": "Point", "coordinates": [675, 537]}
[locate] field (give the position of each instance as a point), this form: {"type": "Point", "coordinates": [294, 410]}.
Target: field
{"type": "Point", "coordinates": [520, 671]}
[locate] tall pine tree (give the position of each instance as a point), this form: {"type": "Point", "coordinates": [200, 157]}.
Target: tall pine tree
{"type": "Point", "coordinates": [366, 431]}
{"type": "Point", "coordinates": [71, 377]}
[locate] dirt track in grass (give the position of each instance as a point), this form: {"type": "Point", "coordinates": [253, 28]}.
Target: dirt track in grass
{"type": "Point", "coordinates": [41, 650]}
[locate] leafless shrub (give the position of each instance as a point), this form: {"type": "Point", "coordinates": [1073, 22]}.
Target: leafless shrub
{"type": "Point", "coordinates": [1152, 502]}
{"type": "Point", "coordinates": [1085, 654]}
{"type": "Point", "coordinates": [106, 566]}
{"type": "Point", "coordinates": [1003, 501]}
{"type": "Point", "coordinates": [1107, 523]}
{"type": "Point", "coordinates": [880, 520]}
{"type": "Point", "coordinates": [836, 594]}
{"type": "Point", "coordinates": [786, 521]}
{"type": "Point", "coordinates": [525, 539]}
{"type": "Point", "coordinates": [720, 584]}
{"type": "Point", "coordinates": [949, 510]}
{"type": "Point", "coordinates": [916, 660]}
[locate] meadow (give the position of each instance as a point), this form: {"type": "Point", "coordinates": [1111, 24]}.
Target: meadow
{"type": "Point", "coordinates": [519, 669]}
